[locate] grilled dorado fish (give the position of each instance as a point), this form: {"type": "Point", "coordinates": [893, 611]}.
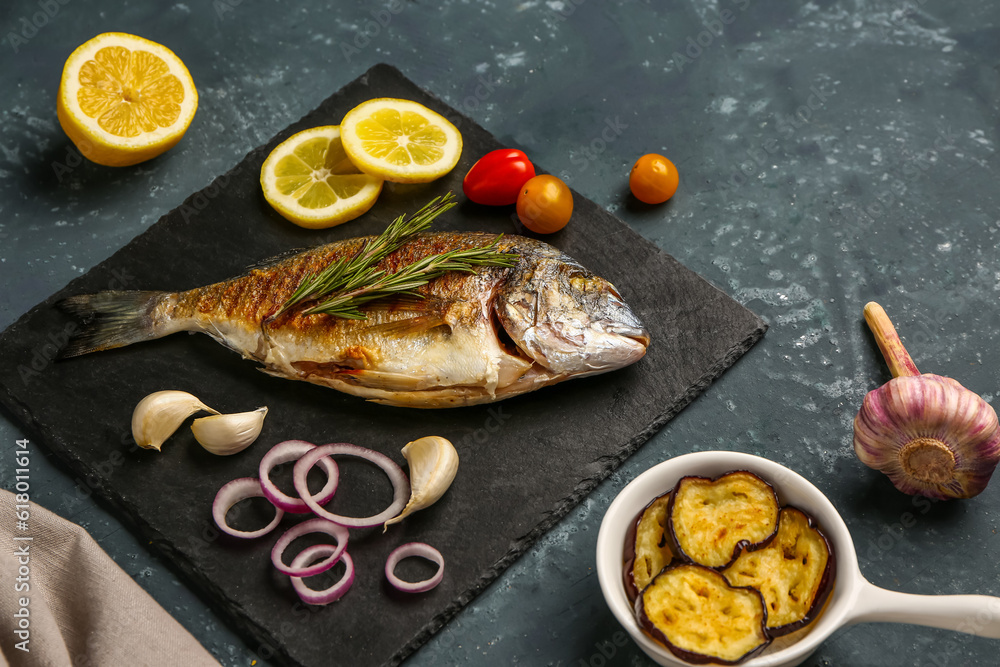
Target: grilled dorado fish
{"type": "Point", "coordinates": [473, 338]}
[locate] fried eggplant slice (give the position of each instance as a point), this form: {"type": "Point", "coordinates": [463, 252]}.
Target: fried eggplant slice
{"type": "Point", "coordinates": [711, 521]}
{"type": "Point", "coordinates": [701, 618]}
{"type": "Point", "coordinates": [794, 573]}
{"type": "Point", "coordinates": [647, 546]}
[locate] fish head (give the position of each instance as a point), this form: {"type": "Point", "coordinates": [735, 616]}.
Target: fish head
{"type": "Point", "coordinates": [568, 319]}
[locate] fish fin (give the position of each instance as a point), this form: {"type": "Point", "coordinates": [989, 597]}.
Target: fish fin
{"type": "Point", "coordinates": [339, 376]}
{"type": "Point", "coordinates": [448, 397]}
{"type": "Point", "coordinates": [381, 380]}
{"type": "Point", "coordinates": [411, 325]}
{"type": "Point", "coordinates": [409, 303]}
{"type": "Point", "coordinates": [111, 319]}
{"type": "Point", "coordinates": [275, 259]}
{"type": "Point", "coordinates": [428, 313]}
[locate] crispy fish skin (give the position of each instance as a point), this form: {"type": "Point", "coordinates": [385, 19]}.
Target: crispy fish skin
{"type": "Point", "coordinates": [474, 338]}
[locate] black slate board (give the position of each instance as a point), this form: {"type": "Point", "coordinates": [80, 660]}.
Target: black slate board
{"type": "Point", "coordinates": [524, 462]}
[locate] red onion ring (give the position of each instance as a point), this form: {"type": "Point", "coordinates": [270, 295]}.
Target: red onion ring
{"type": "Point", "coordinates": [414, 549]}
{"type": "Point", "coordinates": [327, 595]}
{"type": "Point", "coordinates": [400, 484]}
{"type": "Point", "coordinates": [234, 492]}
{"type": "Point", "coordinates": [290, 450]}
{"type": "Point", "coordinates": [336, 531]}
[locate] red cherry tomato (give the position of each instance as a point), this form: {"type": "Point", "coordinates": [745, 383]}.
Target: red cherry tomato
{"type": "Point", "coordinates": [498, 176]}
{"type": "Point", "coordinates": [653, 179]}
{"type": "Point", "coordinates": [545, 204]}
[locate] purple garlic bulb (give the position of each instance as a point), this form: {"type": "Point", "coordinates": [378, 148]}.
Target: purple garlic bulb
{"type": "Point", "coordinates": [930, 435]}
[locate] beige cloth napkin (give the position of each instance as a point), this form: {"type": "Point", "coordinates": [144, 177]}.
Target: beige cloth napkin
{"type": "Point", "coordinates": [83, 610]}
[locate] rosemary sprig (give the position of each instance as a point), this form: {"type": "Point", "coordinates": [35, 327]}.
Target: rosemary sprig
{"type": "Point", "coordinates": [348, 273]}
{"type": "Point", "coordinates": [348, 283]}
{"type": "Point", "coordinates": [346, 303]}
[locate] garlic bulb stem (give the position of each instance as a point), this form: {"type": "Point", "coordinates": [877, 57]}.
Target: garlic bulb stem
{"type": "Point", "coordinates": [896, 356]}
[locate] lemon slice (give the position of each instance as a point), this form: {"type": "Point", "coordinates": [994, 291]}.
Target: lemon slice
{"type": "Point", "coordinates": [400, 140]}
{"type": "Point", "coordinates": [124, 99]}
{"type": "Point", "coordinates": [309, 180]}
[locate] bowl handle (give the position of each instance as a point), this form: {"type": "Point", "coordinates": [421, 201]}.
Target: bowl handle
{"type": "Point", "coordinates": [972, 614]}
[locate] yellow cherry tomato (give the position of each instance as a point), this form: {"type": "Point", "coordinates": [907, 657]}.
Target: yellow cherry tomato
{"type": "Point", "coordinates": [653, 179]}
{"type": "Point", "coordinates": [544, 204]}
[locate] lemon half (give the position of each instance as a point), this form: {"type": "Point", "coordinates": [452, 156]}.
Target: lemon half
{"type": "Point", "coordinates": [400, 140]}
{"type": "Point", "coordinates": [124, 99]}
{"type": "Point", "coordinates": [309, 180]}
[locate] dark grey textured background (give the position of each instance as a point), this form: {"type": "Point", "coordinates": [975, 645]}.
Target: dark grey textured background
{"type": "Point", "coordinates": [830, 153]}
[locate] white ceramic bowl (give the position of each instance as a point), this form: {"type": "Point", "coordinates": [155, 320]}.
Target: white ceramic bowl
{"type": "Point", "coordinates": [853, 599]}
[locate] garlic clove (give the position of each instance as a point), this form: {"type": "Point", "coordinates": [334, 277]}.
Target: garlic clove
{"type": "Point", "coordinates": [228, 434]}
{"type": "Point", "coordinates": [433, 464]}
{"type": "Point", "coordinates": [157, 416]}
{"type": "Point", "coordinates": [930, 435]}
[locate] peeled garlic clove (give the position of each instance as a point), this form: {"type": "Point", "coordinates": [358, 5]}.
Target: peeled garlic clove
{"type": "Point", "coordinates": [229, 434]}
{"type": "Point", "coordinates": [930, 435]}
{"type": "Point", "coordinates": [433, 464]}
{"type": "Point", "coordinates": [157, 416]}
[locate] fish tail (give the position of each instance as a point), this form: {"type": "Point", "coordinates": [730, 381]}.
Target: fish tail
{"type": "Point", "coordinates": [112, 319]}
